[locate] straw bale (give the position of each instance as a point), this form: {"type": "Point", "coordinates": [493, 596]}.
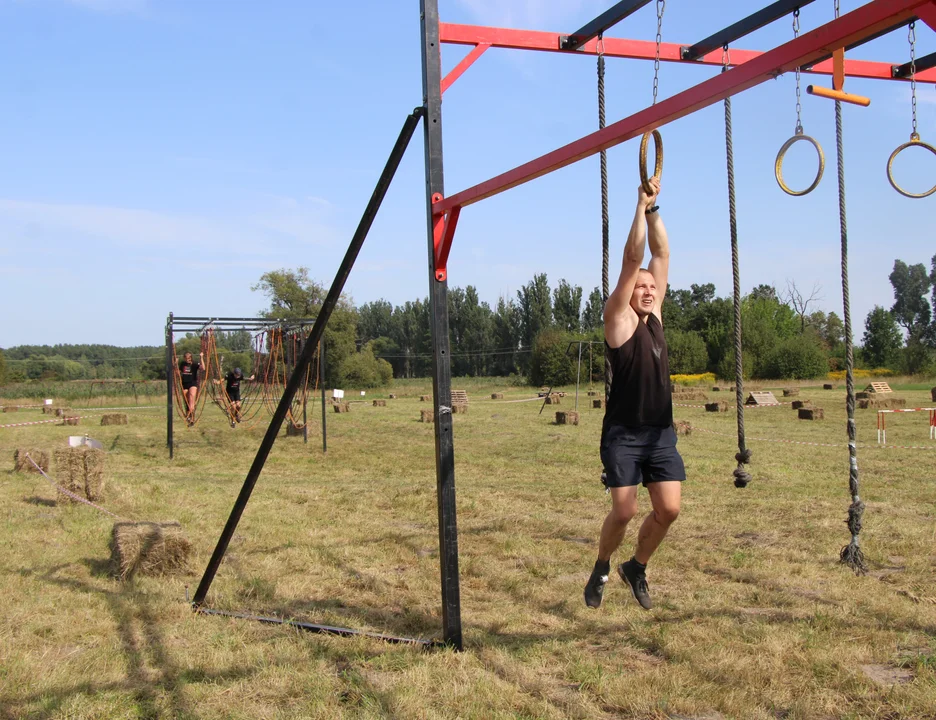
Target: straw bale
{"type": "Point", "coordinates": [567, 417]}
{"type": "Point", "coordinates": [682, 427]}
{"type": "Point", "coordinates": [598, 403]}
{"type": "Point", "coordinates": [797, 404]}
{"type": "Point", "coordinates": [425, 398]}
{"type": "Point", "coordinates": [720, 406]}
{"type": "Point", "coordinates": [811, 414]}
{"type": "Point", "coordinates": [80, 470]}
{"type": "Point", "coordinates": [933, 393]}
{"type": "Point", "coordinates": [716, 388]}
{"type": "Point", "coordinates": [687, 394]}
{"type": "Point", "coordinates": [10, 408]}
{"type": "Point", "coordinates": [592, 393]}
{"type": "Point", "coordinates": [552, 400]}
{"type": "Point", "coordinates": [62, 411]}
{"type": "Point", "coordinates": [147, 548]}
{"type": "Point", "coordinates": [828, 386]}
{"type": "Point", "coordinates": [48, 409]}
{"type": "Point", "coordinates": [380, 403]}
{"type": "Point", "coordinates": [497, 396]}
{"type": "Point", "coordinates": [461, 408]}
{"type": "Point", "coordinates": [115, 419]}
{"type": "Point", "coordinates": [342, 407]}
{"type": "Point", "coordinates": [790, 392]}
{"type": "Point", "coordinates": [886, 403]}
{"type": "Point", "coordinates": [22, 464]}
{"type": "Point", "coordinates": [70, 420]}
{"type": "Point", "coordinates": [862, 396]}
{"type": "Point", "coordinates": [392, 396]}
{"type": "Point", "coordinates": [426, 416]}
{"type": "Point", "coordinates": [293, 431]}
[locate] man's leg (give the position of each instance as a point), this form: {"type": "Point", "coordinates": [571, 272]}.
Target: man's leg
{"type": "Point", "coordinates": [623, 509]}
{"type": "Point", "coordinates": [665, 497]}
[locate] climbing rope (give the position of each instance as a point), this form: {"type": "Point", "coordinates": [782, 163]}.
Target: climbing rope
{"type": "Point", "coordinates": [605, 218]}
{"type": "Point", "coordinates": [741, 476]}
{"type": "Point", "coordinates": [851, 554]}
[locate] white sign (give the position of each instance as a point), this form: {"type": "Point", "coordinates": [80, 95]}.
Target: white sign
{"type": "Point", "coordinates": [362, 393]}
{"type": "Point", "coordinates": [79, 440]}
{"type": "Point", "coordinates": [48, 401]}
{"type": "Point", "coordinates": [338, 394]}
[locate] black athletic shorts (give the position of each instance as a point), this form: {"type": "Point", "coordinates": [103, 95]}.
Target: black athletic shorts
{"type": "Point", "coordinates": [187, 385]}
{"type": "Point", "coordinates": [234, 395]}
{"type": "Point", "coordinates": [643, 454]}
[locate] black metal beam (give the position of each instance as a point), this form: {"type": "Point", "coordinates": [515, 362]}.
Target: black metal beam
{"type": "Point", "coordinates": [849, 48]}
{"type": "Point", "coordinates": [324, 629]}
{"type": "Point", "coordinates": [923, 63]}
{"type": "Point", "coordinates": [441, 356]}
{"type": "Point", "coordinates": [741, 28]}
{"type": "Point", "coordinates": [318, 329]}
{"type": "Point", "coordinates": [596, 27]}
{"type": "Point", "coordinates": [170, 378]}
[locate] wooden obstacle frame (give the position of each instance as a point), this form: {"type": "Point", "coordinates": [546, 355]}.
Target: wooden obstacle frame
{"type": "Point", "coordinates": [764, 397]}
{"type": "Point", "coordinates": [878, 387]}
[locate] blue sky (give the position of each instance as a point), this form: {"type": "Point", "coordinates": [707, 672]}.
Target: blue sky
{"type": "Point", "coordinates": [160, 155]}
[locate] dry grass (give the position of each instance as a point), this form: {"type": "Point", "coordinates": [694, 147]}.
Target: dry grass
{"type": "Point", "coordinates": [754, 618]}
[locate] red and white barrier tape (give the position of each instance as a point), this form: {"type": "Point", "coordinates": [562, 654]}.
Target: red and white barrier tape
{"type": "Point", "coordinates": [46, 422]}
{"type": "Point", "coordinates": [815, 444]}
{"type": "Point", "coordinates": [70, 494]}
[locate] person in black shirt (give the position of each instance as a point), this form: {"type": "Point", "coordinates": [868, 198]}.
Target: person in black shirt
{"type": "Point", "coordinates": [189, 370]}
{"type": "Point", "coordinates": [232, 389]}
{"type": "Point", "coordinates": [638, 442]}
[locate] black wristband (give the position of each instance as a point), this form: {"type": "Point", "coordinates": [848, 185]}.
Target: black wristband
{"type": "Point", "coordinates": [652, 210]}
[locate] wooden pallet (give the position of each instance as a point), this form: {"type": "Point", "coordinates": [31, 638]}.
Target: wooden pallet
{"type": "Point", "coordinates": [761, 398]}
{"type": "Point", "coordinates": [459, 397]}
{"type": "Point", "coordinates": [878, 387]}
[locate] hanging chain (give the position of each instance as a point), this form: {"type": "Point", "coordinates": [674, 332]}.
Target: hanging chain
{"type": "Point", "coordinates": [799, 106]}
{"type": "Point", "coordinates": [660, 8]}
{"type": "Point", "coordinates": [913, 103]}
{"type": "Point", "coordinates": [725, 57]}
{"type": "Point", "coordinates": [836, 3]}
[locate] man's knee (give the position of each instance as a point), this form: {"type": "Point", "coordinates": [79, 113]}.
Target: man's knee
{"type": "Point", "coordinates": [623, 512]}
{"type": "Point", "coordinates": [666, 514]}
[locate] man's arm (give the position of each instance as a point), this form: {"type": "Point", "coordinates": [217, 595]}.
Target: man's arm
{"type": "Point", "coordinates": [659, 259]}
{"type": "Point", "coordinates": [620, 320]}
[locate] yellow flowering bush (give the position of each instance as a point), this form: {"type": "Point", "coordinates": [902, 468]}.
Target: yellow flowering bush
{"type": "Point", "coordinates": [700, 379]}
{"type": "Point", "coordinates": [861, 373]}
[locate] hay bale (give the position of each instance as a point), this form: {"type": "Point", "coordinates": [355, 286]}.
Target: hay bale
{"type": "Point", "coordinates": [147, 548]}
{"type": "Point", "coordinates": [598, 403]}
{"type": "Point", "coordinates": [790, 392]}
{"type": "Point", "coordinates": [380, 403]}
{"type": "Point", "coordinates": [715, 388]}
{"type": "Point", "coordinates": [461, 408]}
{"type": "Point", "coordinates": [810, 414]}
{"type": "Point", "coordinates": [342, 407]}
{"type": "Point", "coordinates": [425, 398]}
{"type": "Point", "coordinates": [862, 396]}
{"type": "Point", "coordinates": [497, 396]}
{"type": "Point", "coordinates": [10, 408]}
{"type": "Point", "coordinates": [553, 399]}
{"type": "Point", "coordinates": [828, 386]}
{"type": "Point", "coordinates": [685, 394]}
{"type": "Point", "coordinates": [886, 403]}
{"type": "Point", "coordinates": [567, 417]}
{"type": "Point", "coordinates": [22, 464]}
{"type": "Point", "coordinates": [48, 410]}
{"type": "Point", "coordinates": [115, 419]}
{"type": "Point", "coordinates": [294, 430]}
{"type": "Point", "coordinates": [682, 427]}
{"type": "Point", "coordinates": [720, 406]}
{"type": "Point", "coordinates": [592, 393]}
{"type": "Point", "coordinates": [392, 396]}
{"type": "Point", "coordinates": [426, 416]}
{"type": "Point", "coordinates": [62, 411]}
{"type": "Point", "coordinates": [797, 404]}
{"type": "Point", "coordinates": [933, 393]}
{"type": "Point", "coordinates": [863, 404]}
{"type": "Point", "coordinates": [70, 420]}
{"type": "Point", "coordinates": [80, 470]}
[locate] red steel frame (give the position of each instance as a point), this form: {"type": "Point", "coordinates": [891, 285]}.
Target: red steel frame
{"type": "Point", "coordinates": [749, 68]}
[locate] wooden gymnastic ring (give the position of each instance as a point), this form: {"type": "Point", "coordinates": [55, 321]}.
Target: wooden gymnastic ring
{"type": "Point", "coordinates": [657, 164]}
{"type": "Point", "coordinates": [778, 165]}
{"type": "Point", "coordinates": [914, 142]}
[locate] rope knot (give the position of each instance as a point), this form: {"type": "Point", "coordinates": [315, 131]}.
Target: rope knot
{"type": "Point", "coordinates": [741, 477]}
{"type": "Point", "coordinates": [744, 456]}
{"type": "Point", "coordinates": [855, 512]}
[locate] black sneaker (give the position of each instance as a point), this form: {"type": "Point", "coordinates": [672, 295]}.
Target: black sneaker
{"type": "Point", "coordinates": [233, 424]}
{"type": "Point", "coordinates": [637, 579]}
{"type": "Point", "coordinates": [595, 588]}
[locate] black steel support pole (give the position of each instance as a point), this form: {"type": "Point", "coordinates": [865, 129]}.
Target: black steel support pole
{"type": "Point", "coordinates": [438, 303]}
{"type": "Point", "coordinates": [611, 16]}
{"type": "Point", "coordinates": [170, 375]}
{"type": "Point", "coordinates": [322, 382]}
{"type": "Point", "coordinates": [296, 378]}
{"type": "Point", "coordinates": [924, 63]}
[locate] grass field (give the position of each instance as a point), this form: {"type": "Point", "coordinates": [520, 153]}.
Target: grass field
{"type": "Point", "coordinates": [754, 617]}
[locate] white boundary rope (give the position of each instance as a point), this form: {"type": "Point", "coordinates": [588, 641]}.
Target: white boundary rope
{"type": "Point", "coordinates": [70, 494]}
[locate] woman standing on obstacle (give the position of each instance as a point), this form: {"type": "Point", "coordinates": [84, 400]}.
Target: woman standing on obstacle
{"type": "Point", "coordinates": [188, 370]}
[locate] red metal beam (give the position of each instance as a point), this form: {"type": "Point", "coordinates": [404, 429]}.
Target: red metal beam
{"type": "Point", "coordinates": [847, 29]}
{"type": "Point", "coordinates": [928, 15]}
{"type": "Point", "coordinates": [646, 50]}
{"type": "Point", "coordinates": [465, 63]}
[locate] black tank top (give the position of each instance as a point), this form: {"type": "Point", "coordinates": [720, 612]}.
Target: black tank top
{"type": "Point", "coordinates": [640, 388]}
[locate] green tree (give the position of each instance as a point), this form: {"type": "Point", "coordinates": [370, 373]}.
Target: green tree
{"type": "Point", "coordinates": [3, 368]}
{"type": "Point", "coordinates": [361, 370]}
{"type": "Point", "coordinates": [911, 309]}
{"type": "Point", "coordinates": [796, 358]}
{"type": "Point", "coordinates": [506, 329]}
{"type": "Point", "coordinates": [535, 309]}
{"type": "Point", "coordinates": [881, 341]}
{"type": "Point", "coordinates": [374, 320]}
{"type": "Point", "coordinates": [687, 352]}
{"type": "Point", "coordinates": [593, 315]}
{"type": "Point", "coordinates": [567, 307]}
{"type": "Point", "coordinates": [550, 364]}
{"type": "Point", "coordinates": [410, 331]}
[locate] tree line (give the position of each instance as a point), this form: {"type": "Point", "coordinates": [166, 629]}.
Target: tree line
{"type": "Point", "coordinates": [527, 336]}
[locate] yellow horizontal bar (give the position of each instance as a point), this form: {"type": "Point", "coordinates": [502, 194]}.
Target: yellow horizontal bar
{"type": "Point", "coordinates": [838, 95]}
